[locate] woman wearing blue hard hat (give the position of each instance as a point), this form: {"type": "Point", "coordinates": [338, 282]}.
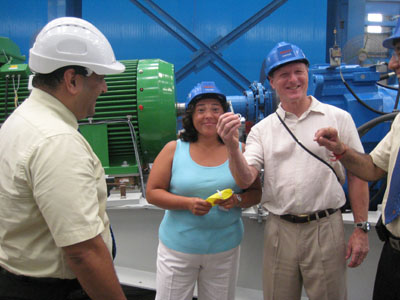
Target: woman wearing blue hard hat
{"type": "Point", "coordinates": [199, 235]}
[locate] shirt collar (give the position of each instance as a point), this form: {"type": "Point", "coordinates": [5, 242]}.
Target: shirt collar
{"type": "Point", "coordinates": [314, 107]}
{"type": "Point", "coordinates": [51, 102]}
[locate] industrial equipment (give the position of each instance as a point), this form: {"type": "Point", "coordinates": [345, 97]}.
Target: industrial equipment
{"type": "Point", "coordinates": [133, 120]}
{"type": "Point", "coordinates": [137, 116]}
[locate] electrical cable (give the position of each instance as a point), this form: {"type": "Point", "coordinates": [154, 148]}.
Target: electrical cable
{"type": "Point", "coordinates": [387, 86]}
{"type": "Point", "coordinates": [357, 98]}
{"type": "Point", "coordinates": [363, 129]}
{"type": "Point", "coordinates": [397, 99]}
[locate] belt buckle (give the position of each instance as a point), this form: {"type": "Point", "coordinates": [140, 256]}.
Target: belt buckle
{"type": "Point", "coordinates": [305, 216]}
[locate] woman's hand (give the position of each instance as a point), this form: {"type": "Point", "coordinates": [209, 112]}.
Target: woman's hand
{"type": "Point", "coordinates": [199, 207]}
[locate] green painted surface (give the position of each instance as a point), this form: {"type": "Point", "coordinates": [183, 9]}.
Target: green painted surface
{"type": "Point", "coordinates": [156, 105]}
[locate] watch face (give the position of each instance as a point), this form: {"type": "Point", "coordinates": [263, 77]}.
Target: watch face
{"type": "Point", "coordinates": [364, 226]}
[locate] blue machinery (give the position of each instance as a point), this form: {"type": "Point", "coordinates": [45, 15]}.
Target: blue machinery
{"type": "Point", "coordinates": [326, 84]}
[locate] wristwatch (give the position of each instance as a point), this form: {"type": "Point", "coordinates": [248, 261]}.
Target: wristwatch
{"type": "Point", "coordinates": [365, 226]}
{"type": "Point", "coordinates": [239, 199]}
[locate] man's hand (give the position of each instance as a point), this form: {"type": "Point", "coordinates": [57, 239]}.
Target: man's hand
{"type": "Point", "coordinates": [357, 248]}
{"type": "Point", "coordinates": [228, 203]}
{"type": "Point", "coordinates": [228, 129]}
{"type": "Point", "coordinates": [328, 137]}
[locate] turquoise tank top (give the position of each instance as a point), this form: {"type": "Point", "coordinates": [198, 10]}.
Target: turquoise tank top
{"type": "Point", "coordinates": [214, 232]}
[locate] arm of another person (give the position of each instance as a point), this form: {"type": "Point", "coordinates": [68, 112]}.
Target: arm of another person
{"type": "Point", "coordinates": [358, 245]}
{"type": "Point", "coordinates": [92, 264]}
{"type": "Point", "coordinates": [158, 185]}
{"type": "Point", "coordinates": [228, 129]}
{"type": "Point", "coordinates": [251, 196]}
{"type": "Point", "coordinates": [359, 164]}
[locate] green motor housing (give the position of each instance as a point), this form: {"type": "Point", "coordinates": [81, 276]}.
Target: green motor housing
{"type": "Point", "coordinates": [143, 95]}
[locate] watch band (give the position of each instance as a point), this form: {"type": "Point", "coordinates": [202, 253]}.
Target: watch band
{"type": "Point", "coordinates": [239, 199]}
{"type": "Point", "coordinates": [365, 226]}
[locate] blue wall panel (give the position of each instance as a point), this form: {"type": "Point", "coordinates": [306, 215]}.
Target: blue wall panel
{"type": "Point", "coordinates": [134, 35]}
{"type": "Point", "coordinates": [22, 20]}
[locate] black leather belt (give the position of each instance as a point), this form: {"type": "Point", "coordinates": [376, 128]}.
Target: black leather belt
{"type": "Point", "coordinates": [308, 218]}
{"type": "Point", "coordinates": [43, 280]}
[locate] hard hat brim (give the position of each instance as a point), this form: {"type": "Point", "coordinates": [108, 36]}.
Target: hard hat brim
{"type": "Point", "coordinates": [40, 64]}
{"type": "Point", "coordinates": [388, 43]}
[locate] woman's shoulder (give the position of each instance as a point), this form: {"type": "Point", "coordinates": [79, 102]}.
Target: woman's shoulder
{"type": "Point", "coordinates": [170, 146]}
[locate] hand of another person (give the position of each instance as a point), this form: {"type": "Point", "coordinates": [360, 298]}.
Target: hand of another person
{"type": "Point", "coordinates": [228, 203]}
{"type": "Point", "coordinates": [357, 248]}
{"type": "Point", "coordinates": [394, 64]}
{"type": "Point", "coordinates": [328, 138]}
{"type": "Point", "coordinates": [228, 129]}
{"type": "Point", "coordinates": [199, 207]}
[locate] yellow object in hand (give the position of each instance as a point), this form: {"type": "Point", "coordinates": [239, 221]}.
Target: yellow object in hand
{"type": "Point", "coordinates": [220, 195]}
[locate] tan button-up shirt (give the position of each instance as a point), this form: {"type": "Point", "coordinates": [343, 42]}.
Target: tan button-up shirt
{"type": "Point", "coordinates": [52, 189]}
{"type": "Point", "coordinates": [384, 156]}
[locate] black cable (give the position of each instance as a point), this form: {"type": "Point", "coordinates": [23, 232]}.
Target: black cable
{"type": "Point", "coordinates": [357, 98]}
{"type": "Point", "coordinates": [305, 148]}
{"type": "Point", "coordinates": [397, 99]}
{"type": "Point", "coordinates": [363, 129]}
{"type": "Point", "coordinates": [387, 86]}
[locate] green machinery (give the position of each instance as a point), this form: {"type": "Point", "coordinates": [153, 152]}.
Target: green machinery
{"type": "Point", "coordinates": [133, 120]}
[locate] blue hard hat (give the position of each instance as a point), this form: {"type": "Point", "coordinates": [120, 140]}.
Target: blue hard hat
{"type": "Point", "coordinates": [205, 89]}
{"type": "Point", "coordinates": [282, 54]}
{"type": "Point", "coordinates": [388, 43]}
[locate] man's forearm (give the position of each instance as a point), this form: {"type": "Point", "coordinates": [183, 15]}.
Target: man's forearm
{"type": "Point", "coordinates": [92, 264]}
{"type": "Point", "coordinates": [361, 165]}
{"type": "Point", "coordinates": [359, 198]}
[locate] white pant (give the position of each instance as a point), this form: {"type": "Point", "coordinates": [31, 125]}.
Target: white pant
{"type": "Point", "coordinates": [177, 273]}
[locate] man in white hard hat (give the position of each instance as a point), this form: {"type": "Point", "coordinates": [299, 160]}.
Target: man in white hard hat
{"type": "Point", "coordinates": [383, 161]}
{"type": "Point", "coordinates": [304, 243]}
{"type": "Point", "coordinates": [54, 231]}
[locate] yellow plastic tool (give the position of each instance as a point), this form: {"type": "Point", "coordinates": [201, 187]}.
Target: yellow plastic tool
{"type": "Point", "coordinates": [220, 195]}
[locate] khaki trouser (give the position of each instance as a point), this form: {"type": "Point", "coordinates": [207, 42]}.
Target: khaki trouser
{"type": "Point", "coordinates": [310, 254]}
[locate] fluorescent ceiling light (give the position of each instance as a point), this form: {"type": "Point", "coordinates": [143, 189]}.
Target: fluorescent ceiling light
{"type": "Point", "coordinates": [375, 17]}
{"type": "Point", "coordinates": [374, 29]}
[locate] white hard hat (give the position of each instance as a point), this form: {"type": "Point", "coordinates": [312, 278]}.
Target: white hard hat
{"type": "Point", "coordinates": [71, 41]}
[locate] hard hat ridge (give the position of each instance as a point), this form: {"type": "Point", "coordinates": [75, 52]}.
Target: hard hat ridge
{"type": "Point", "coordinates": [205, 89]}
{"type": "Point", "coordinates": [283, 53]}
{"type": "Point", "coordinates": [72, 41]}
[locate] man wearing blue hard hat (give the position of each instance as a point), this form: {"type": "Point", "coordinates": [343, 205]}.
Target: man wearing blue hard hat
{"type": "Point", "coordinates": [383, 160]}
{"type": "Point", "coordinates": [304, 242]}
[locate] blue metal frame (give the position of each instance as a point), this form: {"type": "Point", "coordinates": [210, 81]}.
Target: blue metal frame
{"type": "Point", "coordinates": [207, 54]}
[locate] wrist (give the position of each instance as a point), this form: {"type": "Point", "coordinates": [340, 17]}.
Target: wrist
{"type": "Point", "coordinates": [239, 200]}
{"type": "Point", "coordinates": [339, 155]}
{"type": "Point", "coordinates": [364, 226]}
